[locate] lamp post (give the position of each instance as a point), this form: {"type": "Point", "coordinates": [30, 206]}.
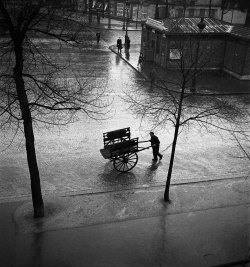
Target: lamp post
{"type": "Point", "coordinates": [201, 25]}
{"type": "Point", "coordinates": [109, 18]}
{"type": "Point", "coordinates": [103, 8]}
{"type": "Point", "coordinates": [90, 11]}
{"type": "Point", "coordinates": [124, 10]}
{"type": "Point", "coordinates": [137, 13]}
{"type": "Point", "coordinates": [127, 19]}
{"type": "Point", "coordinates": [157, 10]}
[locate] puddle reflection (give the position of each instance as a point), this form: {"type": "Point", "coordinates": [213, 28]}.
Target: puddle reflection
{"type": "Point", "coordinates": [117, 60]}
{"type": "Point", "coordinates": [127, 55]}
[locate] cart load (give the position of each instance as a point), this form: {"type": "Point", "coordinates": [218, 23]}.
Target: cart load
{"type": "Point", "coordinates": [121, 149]}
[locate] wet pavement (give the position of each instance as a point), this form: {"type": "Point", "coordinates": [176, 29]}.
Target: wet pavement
{"type": "Point", "coordinates": [206, 224]}
{"type": "Point", "coordinates": [69, 158]}
{"type": "Point", "coordinates": [98, 217]}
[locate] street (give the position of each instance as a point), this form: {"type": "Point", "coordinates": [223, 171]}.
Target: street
{"type": "Point", "coordinates": [69, 158]}
{"type": "Point", "coordinates": [96, 216]}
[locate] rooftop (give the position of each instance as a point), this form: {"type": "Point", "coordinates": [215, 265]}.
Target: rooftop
{"type": "Point", "coordinates": [189, 25]}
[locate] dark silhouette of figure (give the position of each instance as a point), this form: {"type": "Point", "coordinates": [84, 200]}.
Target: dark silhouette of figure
{"type": "Point", "coordinates": [140, 60]}
{"type": "Point", "coordinates": [98, 36]}
{"type": "Point", "coordinates": [119, 45]}
{"type": "Point", "coordinates": [155, 143]}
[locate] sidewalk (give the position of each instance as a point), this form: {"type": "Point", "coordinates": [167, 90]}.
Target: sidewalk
{"type": "Point", "coordinates": [132, 56]}
{"type": "Point", "coordinates": [206, 224]}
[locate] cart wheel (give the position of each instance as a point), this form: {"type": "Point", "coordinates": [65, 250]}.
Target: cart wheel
{"type": "Point", "coordinates": [126, 162]}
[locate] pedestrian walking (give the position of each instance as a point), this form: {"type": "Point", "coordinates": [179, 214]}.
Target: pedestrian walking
{"type": "Point", "coordinates": [140, 60]}
{"type": "Point", "coordinates": [98, 36]}
{"type": "Point", "coordinates": [155, 143]}
{"type": "Point", "coordinates": [119, 45]}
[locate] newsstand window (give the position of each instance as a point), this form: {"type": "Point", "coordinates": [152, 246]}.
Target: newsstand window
{"type": "Point", "coordinates": [175, 53]}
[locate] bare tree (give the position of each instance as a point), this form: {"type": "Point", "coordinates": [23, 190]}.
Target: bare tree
{"type": "Point", "coordinates": [243, 142]}
{"type": "Point", "coordinates": [172, 101]}
{"type": "Point", "coordinates": [34, 88]}
{"type": "Point", "coordinates": [157, 9]}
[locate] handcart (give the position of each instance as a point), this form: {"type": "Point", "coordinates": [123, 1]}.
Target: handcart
{"type": "Point", "coordinates": [121, 149]}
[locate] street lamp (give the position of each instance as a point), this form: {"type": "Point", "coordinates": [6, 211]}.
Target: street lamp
{"type": "Point", "coordinates": [124, 9]}
{"type": "Point", "coordinates": [90, 11]}
{"type": "Point", "coordinates": [103, 8]}
{"type": "Point", "coordinates": [137, 13]}
{"type": "Point", "coordinates": [127, 19]}
{"type": "Point", "coordinates": [109, 18]}
{"type": "Point", "coordinates": [201, 25]}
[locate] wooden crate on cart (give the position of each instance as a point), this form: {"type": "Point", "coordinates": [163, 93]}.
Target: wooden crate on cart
{"type": "Point", "coordinates": [121, 149]}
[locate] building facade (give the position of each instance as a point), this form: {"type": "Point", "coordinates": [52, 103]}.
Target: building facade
{"type": "Point", "coordinates": [137, 10]}
{"type": "Point", "coordinates": [161, 9]}
{"type": "Point", "coordinates": [220, 45]}
{"type": "Point", "coordinates": [205, 8]}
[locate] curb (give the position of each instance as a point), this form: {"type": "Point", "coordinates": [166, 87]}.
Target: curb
{"type": "Point", "coordinates": [132, 66]}
{"type": "Point", "coordinates": [88, 192]}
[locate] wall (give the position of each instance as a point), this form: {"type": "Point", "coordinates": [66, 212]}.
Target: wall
{"type": "Point", "coordinates": [235, 55]}
{"type": "Point", "coordinates": [246, 70]}
{"type": "Point", "coordinates": [208, 51]}
{"type": "Point", "coordinates": [215, 52]}
{"type": "Point", "coordinates": [158, 47]}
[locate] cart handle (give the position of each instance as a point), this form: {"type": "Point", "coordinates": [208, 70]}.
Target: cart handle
{"type": "Point", "coordinates": [143, 148]}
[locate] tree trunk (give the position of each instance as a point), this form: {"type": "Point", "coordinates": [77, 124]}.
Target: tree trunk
{"type": "Point", "coordinates": [171, 163]}
{"type": "Point", "coordinates": [210, 5]}
{"type": "Point", "coordinates": [90, 11]}
{"type": "Point", "coordinates": [33, 167]}
{"type": "Point", "coordinates": [166, 11]}
{"type": "Point", "coordinates": [157, 9]}
{"type": "Point", "coordinates": [38, 205]}
{"type": "Point", "coordinates": [222, 14]}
